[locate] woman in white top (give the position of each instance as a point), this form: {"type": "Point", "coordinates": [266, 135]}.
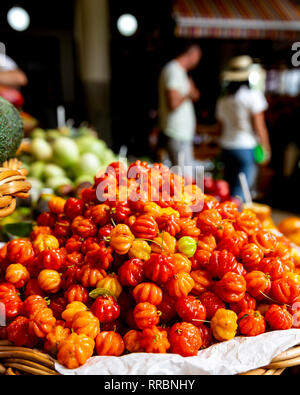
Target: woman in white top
{"type": "Point", "coordinates": [241, 115]}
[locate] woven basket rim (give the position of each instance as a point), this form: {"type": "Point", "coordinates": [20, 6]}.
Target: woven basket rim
{"type": "Point", "coordinates": [35, 362]}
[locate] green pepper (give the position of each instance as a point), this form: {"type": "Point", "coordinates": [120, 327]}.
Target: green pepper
{"type": "Point", "coordinates": [187, 246]}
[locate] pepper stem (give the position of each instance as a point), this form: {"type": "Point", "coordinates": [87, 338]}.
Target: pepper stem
{"type": "Point", "coordinates": [205, 321]}
{"type": "Point", "coordinates": [273, 300]}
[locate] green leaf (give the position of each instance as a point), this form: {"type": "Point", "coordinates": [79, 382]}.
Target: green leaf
{"type": "Point", "coordinates": [16, 230]}
{"type": "Point", "coordinates": [101, 292]}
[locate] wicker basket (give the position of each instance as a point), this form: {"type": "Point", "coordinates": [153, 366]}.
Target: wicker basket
{"type": "Point", "coordinates": [20, 361]}
{"type": "Point", "coordinates": [13, 185]}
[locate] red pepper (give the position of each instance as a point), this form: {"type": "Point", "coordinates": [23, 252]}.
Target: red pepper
{"type": "Point", "coordinates": [120, 211]}
{"type": "Point", "coordinates": [90, 244]}
{"type": "Point", "coordinates": [18, 333]}
{"type": "Point", "coordinates": [138, 170]}
{"type": "Point", "coordinates": [32, 304]}
{"type": "Point", "coordinates": [47, 219]}
{"type": "Point", "coordinates": [145, 227]}
{"type": "Point", "coordinates": [159, 268]}
{"type": "Point", "coordinates": [62, 228]}
{"type": "Point", "coordinates": [74, 208]}
{"type": "Point", "coordinates": [13, 306]}
{"type": "Point", "coordinates": [52, 259]}
{"type": "Point", "coordinates": [106, 309]}
{"type": "Point", "coordinates": [74, 259]}
{"type": "Point", "coordinates": [7, 289]}
{"type": "Point", "coordinates": [118, 170]}
{"type": "Point", "coordinates": [77, 293]}
{"type": "Point", "coordinates": [74, 244]}
{"type": "Point", "coordinates": [101, 255]}
{"type": "Point", "coordinates": [88, 195]}
{"type": "Point", "coordinates": [20, 251]}
{"type": "Point", "coordinates": [212, 303]}
{"type": "Point", "coordinates": [278, 318]}
{"type": "Point", "coordinates": [131, 273]}
{"type": "Point", "coordinates": [33, 288]}
{"type": "Point", "coordinates": [84, 227]}
{"type": "Point", "coordinates": [69, 277]}
{"type": "Point", "coordinates": [104, 232]}
{"type": "Point", "coordinates": [58, 306]}
{"type": "Point", "coordinates": [222, 262]}
{"type": "Point", "coordinates": [169, 223]}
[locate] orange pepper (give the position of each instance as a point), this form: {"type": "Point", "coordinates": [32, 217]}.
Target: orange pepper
{"type": "Point", "coordinates": [75, 350]}
{"type": "Point", "coordinates": [57, 205]}
{"type": "Point", "coordinates": [112, 284]}
{"type": "Point", "coordinates": [45, 242]}
{"type": "Point", "coordinates": [71, 310]}
{"type": "Point", "coordinates": [121, 239]}
{"type": "Point", "coordinates": [224, 325]}
{"type": "Point", "coordinates": [164, 242]}
{"type": "Point", "coordinates": [152, 209]}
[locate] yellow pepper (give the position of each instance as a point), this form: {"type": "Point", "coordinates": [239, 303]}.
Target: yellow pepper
{"type": "Point", "coordinates": [140, 249]}
{"type": "Point", "coordinates": [45, 242]}
{"type": "Point", "coordinates": [192, 194]}
{"type": "Point", "coordinates": [164, 241]}
{"type": "Point", "coordinates": [186, 199]}
{"type": "Point", "coordinates": [296, 256]}
{"type": "Point", "coordinates": [111, 284]}
{"type": "Point", "coordinates": [224, 325]}
{"type": "Point", "coordinates": [294, 276]}
{"type": "Point", "coordinates": [152, 209]}
{"type": "Point", "coordinates": [170, 211]}
{"type": "Point", "coordinates": [71, 310]}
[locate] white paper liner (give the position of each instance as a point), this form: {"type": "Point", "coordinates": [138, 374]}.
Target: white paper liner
{"type": "Point", "coordinates": [236, 356]}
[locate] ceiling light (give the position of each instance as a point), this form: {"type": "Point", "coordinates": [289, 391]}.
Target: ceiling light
{"type": "Point", "coordinates": [127, 25]}
{"type": "Point", "coordinates": [18, 19]}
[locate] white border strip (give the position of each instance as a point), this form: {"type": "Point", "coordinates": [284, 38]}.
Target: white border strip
{"type": "Point", "coordinates": [195, 22]}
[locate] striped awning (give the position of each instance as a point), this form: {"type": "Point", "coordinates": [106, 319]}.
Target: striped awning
{"type": "Point", "coordinates": [256, 19]}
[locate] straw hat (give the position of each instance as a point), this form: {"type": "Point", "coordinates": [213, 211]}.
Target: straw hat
{"type": "Point", "coordinates": [239, 69]}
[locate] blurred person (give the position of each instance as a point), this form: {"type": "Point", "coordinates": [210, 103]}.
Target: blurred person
{"type": "Point", "coordinates": [177, 116]}
{"type": "Point", "coordinates": [10, 74]}
{"type": "Point", "coordinates": [240, 113]}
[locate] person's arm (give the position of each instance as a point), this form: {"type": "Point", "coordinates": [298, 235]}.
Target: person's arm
{"type": "Point", "coordinates": [259, 123]}
{"type": "Point", "coordinates": [13, 78]}
{"type": "Point", "coordinates": [175, 99]}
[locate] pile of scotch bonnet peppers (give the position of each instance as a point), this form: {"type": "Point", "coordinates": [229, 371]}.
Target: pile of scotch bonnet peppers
{"type": "Point", "coordinates": [109, 273]}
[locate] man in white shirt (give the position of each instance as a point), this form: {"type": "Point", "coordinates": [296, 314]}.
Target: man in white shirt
{"type": "Point", "coordinates": [177, 93]}
{"type": "Point", "coordinates": [10, 74]}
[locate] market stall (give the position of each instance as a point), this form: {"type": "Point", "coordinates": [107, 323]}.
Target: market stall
{"type": "Point", "coordinates": [237, 19]}
{"type": "Point", "coordinates": [125, 271]}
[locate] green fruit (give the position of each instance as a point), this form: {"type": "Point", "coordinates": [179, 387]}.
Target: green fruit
{"type": "Point", "coordinates": [88, 164]}
{"type": "Point", "coordinates": [38, 133]}
{"type": "Point", "coordinates": [187, 246]}
{"type": "Point", "coordinates": [37, 170]}
{"type": "Point", "coordinates": [55, 183]}
{"type": "Point", "coordinates": [66, 152]}
{"type": "Point", "coordinates": [11, 130]}
{"type": "Point", "coordinates": [52, 171]}
{"type": "Point", "coordinates": [83, 179]}
{"type": "Point", "coordinates": [52, 135]}
{"type": "Point", "coordinates": [41, 149]}
{"type": "Point", "coordinates": [88, 144]}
